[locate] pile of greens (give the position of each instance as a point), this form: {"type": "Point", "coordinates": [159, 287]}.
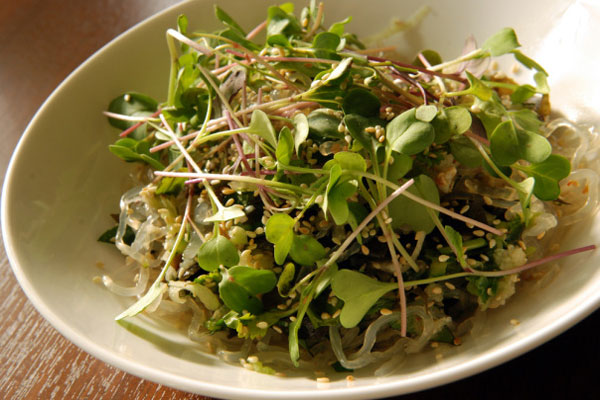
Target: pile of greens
{"type": "Point", "coordinates": [342, 185]}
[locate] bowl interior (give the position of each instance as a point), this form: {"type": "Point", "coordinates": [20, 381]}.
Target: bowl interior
{"type": "Point", "coordinates": [63, 184]}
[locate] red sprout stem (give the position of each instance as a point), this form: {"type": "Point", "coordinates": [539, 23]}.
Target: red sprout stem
{"type": "Point", "coordinates": [420, 69]}
{"type": "Point", "coordinates": [137, 125]}
{"type": "Point", "coordinates": [256, 30]}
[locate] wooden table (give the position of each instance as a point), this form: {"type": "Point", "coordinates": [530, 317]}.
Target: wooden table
{"type": "Point", "coordinates": [41, 41]}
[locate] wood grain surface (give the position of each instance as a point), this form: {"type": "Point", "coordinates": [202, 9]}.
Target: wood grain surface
{"type": "Point", "coordinates": [41, 42]}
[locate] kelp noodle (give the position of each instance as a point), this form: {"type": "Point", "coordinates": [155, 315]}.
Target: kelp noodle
{"type": "Point", "coordinates": [305, 203]}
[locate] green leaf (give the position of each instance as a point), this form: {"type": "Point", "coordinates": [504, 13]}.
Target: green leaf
{"type": "Point", "coordinates": [401, 166]}
{"type": "Point", "coordinates": [451, 121]}
{"type": "Point", "coordinates": [526, 119]}
{"type": "Point", "coordinates": [284, 284]}
{"type": "Point", "coordinates": [405, 212]}
{"type": "Point", "coordinates": [285, 147]}
{"type": "Point", "coordinates": [261, 125]}
{"type": "Point", "coordinates": [338, 27]}
{"type": "Point", "coordinates": [110, 234]}
{"type": "Point", "coordinates": [547, 175]}
{"type": "Point", "coordinates": [465, 152]}
{"type": "Point", "coordinates": [359, 293]}
{"type": "Point", "coordinates": [324, 124]}
{"type": "Point", "coordinates": [226, 214]}
{"type": "Point", "coordinates": [407, 135]}
{"type": "Point", "coordinates": [504, 144]}
{"type": "Point", "coordinates": [432, 56]}
{"type": "Point", "coordinates": [362, 102]}
{"type": "Point", "coordinates": [533, 147]}
{"type": "Point", "coordinates": [237, 298]}
{"type": "Point", "coordinates": [325, 45]}
{"type": "Point", "coordinates": [426, 113]}
{"type": "Point", "coordinates": [279, 230]}
{"type": "Point", "coordinates": [279, 40]}
{"type": "Point", "coordinates": [339, 70]}
{"type": "Point", "coordinates": [228, 21]}
{"type": "Point", "coordinates": [255, 281]}
{"type": "Point", "coordinates": [525, 190]}
{"type": "Point", "coordinates": [130, 103]}
{"type": "Point", "coordinates": [522, 94]}
{"type": "Point", "coordinates": [301, 131]}
{"type": "Point", "coordinates": [357, 124]}
{"type": "Point", "coordinates": [456, 240]}
{"type": "Point", "coordinates": [350, 161]}
{"type": "Point", "coordinates": [502, 42]}
{"type": "Point", "coordinates": [217, 251]}
{"type": "Point", "coordinates": [334, 175]}
{"type": "Point", "coordinates": [528, 62]}
{"type": "Point", "coordinates": [279, 21]}
{"type": "Point", "coordinates": [306, 250]}
{"type": "Point", "coordinates": [338, 201]}
{"type": "Point", "coordinates": [541, 81]}
{"type": "Point", "coordinates": [170, 185]}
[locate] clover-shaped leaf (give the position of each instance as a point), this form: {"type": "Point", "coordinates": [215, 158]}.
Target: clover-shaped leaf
{"type": "Point", "coordinates": [279, 230]}
{"type": "Point", "coordinates": [217, 251]}
{"type": "Point", "coordinates": [359, 293]}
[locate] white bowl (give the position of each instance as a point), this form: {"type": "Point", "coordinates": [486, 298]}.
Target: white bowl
{"type": "Point", "coordinates": [62, 184]}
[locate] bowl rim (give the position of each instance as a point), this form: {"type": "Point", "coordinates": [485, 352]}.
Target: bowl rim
{"type": "Point", "coordinates": [478, 364]}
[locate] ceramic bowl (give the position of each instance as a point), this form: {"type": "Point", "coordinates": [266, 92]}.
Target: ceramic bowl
{"type": "Point", "coordinates": [62, 185]}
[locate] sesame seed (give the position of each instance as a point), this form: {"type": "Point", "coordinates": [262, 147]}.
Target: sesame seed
{"type": "Point", "coordinates": [325, 316]}
{"type": "Point", "coordinates": [457, 341]}
{"type": "Point", "coordinates": [464, 209]}
{"type": "Point", "coordinates": [470, 226]}
{"type": "Point", "coordinates": [277, 329]}
{"type": "Point", "coordinates": [252, 359]}
{"type": "Point", "coordinates": [434, 345]}
{"type": "Point", "coordinates": [381, 239]}
{"type": "Point", "coordinates": [450, 286]}
{"type": "Point", "coordinates": [350, 378]}
{"type": "Point", "coordinates": [227, 191]}
{"type": "Point", "coordinates": [381, 139]}
{"type": "Point", "coordinates": [492, 243]}
{"type": "Point", "coordinates": [336, 313]}
{"type": "Point", "coordinates": [541, 235]}
{"type": "Point", "coordinates": [262, 325]}
{"type": "Point", "coordinates": [388, 220]}
{"type": "Point", "coordinates": [488, 200]}
{"type": "Point", "coordinates": [479, 233]}
{"type": "Point", "coordinates": [439, 356]}
{"type": "Point", "coordinates": [282, 306]}
{"type": "Point", "coordinates": [443, 258]}
{"type": "Point", "coordinates": [489, 291]}
{"type": "Point", "coordinates": [304, 230]}
{"type": "Point", "coordinates": [436, 290]}
{"type": "Point", "coordinates": [385, 311]}
{"type": "Point", "coordinates": [471, 261]}
{"type": "Point", "coordinates": [364, 249]}
{"type": "Point", "coordinates": [292, 318]}
{"type": "Point", "coordinates": [370, 129]}
{"type": "Point", "coordinates": [323, 379]}
{"type": "Point", "coordinates": [484, 257]}
{"type": "Point", "coordinates": [514, 322]}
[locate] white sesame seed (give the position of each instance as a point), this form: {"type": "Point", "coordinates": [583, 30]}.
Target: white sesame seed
{"type": "Point", "coordinates": [464, 209]}
{"type": "Point", "coordinates": [450, 286]}
{"type": "Point", "coordinates": [492, 243]}
{"type": "Point", "coordinates": [443, 258]}
{"type": "Point", "coordinates": [325, 316]}
{"type": "Point", "coordinates": [262, 325]}
{"type": "Point", "coordinates": [252, 359]}
{"type": "Point", "coordinates": [488, 200]}
{"type": "Point", "coordinates": [479, 233]}
{"type": "Point", "coordinates": [277, 329]}
{"type": "Point", "coordinates": [385, 311]}
{"type": "Point", "coordinates": [514, 322]}
{"type": "Point", "coordinates": [436, 290]}
{"type": "Point", "coordinates": [323, 379]}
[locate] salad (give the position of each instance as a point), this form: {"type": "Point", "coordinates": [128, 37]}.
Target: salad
{"type": "Point", "coordinates": [306, 201]}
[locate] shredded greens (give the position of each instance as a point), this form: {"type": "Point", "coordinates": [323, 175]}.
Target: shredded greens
{"type": "Point", "coordinates": [304, 192]}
